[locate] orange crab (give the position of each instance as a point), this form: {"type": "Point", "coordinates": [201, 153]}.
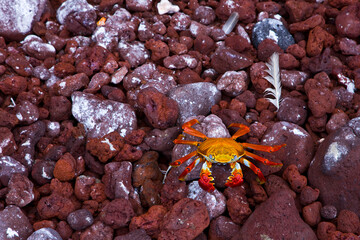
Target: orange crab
{"type": "Point", "coordinates": [223, 151]}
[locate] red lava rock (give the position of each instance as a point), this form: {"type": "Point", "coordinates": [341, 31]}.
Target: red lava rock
{"type": "Point", "coordinates": [237, 43]}
{"type": "Point", "coordinates": [80, 219]}
{"type": "Point", "coordinates": [7, 142]}
{"type": "Point", "coordinates": [204, 44]}
{"type": "Point", "coordinates": [266, 48]}
{"type": "Point", "coordinates": [297, 181]}
{"type": "Point", "coordinates": [159, 49]}
{"type": "Point", "coordinates": [150, 193]}
{"type": "Point", "coordinates": [226, 59]}
{"type": "Point", "coordinates": [276, 218]}
{"type": "Point", "coordinates": [64, 229]}
{"type": "Point", "coordinates": [65, 168]}
{"type": "Point", "coordinates": [60, 108]}
{"type": "Point", "coordinates": [275, 184]}
{"type": "Point", "coordinates": [19, 64]}
{"type": "Point", "coordinates": [238, 106]}
{"type": "Point", "coordinates": [161, 140]}
{"type": "Point", "coordinates": [296, 50]}
{"type": "Point", "coordinates": [13, 85]}
{"type": "Point", "coordinates": [328, 212]}
{"type": "Point", "coordinates": [215, 201]}
{"type": "Point", "coordinates": [324, 229]}
{"type": "Point", "coordinates": [310, 23]}
{"type": "Point", "coordinates": [248, 98]}
{"type": "Point", "coordinates": [97, 231]}
{"type": "Point", "coordinates": [8, 167]}
{"type": "Point", "coordinates": [83, 186]}
{"type": "Point", "coordinates": [161, 111]}
{"type": "Point", "coordinates": [173, 190]}
{"type": "Point", "coordinates": [64, 69]}
{"type": "Point", "coordinates": [204, 15]}
{"type": "Point", "coordinates": [44, 224]}
{"type": "Point", "coordinates": [348, 21]}
{"type": "Point", "coordinates": [258, 192]}
{"type": "Point", "coordinates": [128, 153]}
{"type": "Point", "coordinates": [298, 10]}
{"type": "Point", "coordinates": [348, 46]}
{"type": "Point", "coordinates": [150, 221]}
{"type": "Point", "coordinates": [237, 204]}
{"type": "Point", "coordinates": [187, 76]}
{"type": "Point", "coordinates": [233, 83]}
{"type": "Point", "coordinates": [180, 61]}
{"type": "Point", "coordinates": [7, 119]}
{"type": "Point", "coordinates": [178, 48]}
{"type": "Point", "coordinates": [311, 213]}
{"type": "Point", "coordinates": [194, 219]}
{"type": "Point", "coordinates": [318, 39]}
{"type": "Point", "coordinates": [245, 9]}
{"type": "Point", "coordinates": [321, 101]}
{"type": "Point", "coordinates": [292, 78]}
{"type": "Point", "coordinates": [14, 223]}
{"type": "Point", "coordinates": [116, 77]}
{"type": "Point", "coordinates": [135, 137]}
{"type": "Point", "coordinates": [143, 6]}
{"type": "Point", "coordinates": [308, 195]}
{"type": "Point", "coordinates": [117, 213]}
{"type": "Point", "coordinates": [339, 235]}
{"type": "Point", "coordinates": [348, 222]}
{"type": "Point", "coordinates": [134, 53]}
{"type": "Point", "coordinates": [292, 110]}
{"type": "Point", "coordinates": [222, 228]}
{"type": "Point", "coordinates": [97, 192]}
{"type": "Point", "coordinates": [21, 191]}
{"type": "Point", "coordinates": [336, 121]}
{"type": "Point", "coordinates": [146, 168]}
{"type": "Point", "coordinates": [288, 61]}
{"type": "Point", "coordinates": [317, 124]}
{"type": "Point", "coordinates": [26, 112]}
{"type": "Point", "coordinates": [70, 84]}
{"type": "Point", "coordinates": [106, 147]}
{"type": "Point", "coordinates": [55, 205]}
{"type": "Point", "coordinates": [334, 160]}
{"type": "Point", "coordinates": [117, 180]}
{"type": "Point", "coordinates": [97, 81]}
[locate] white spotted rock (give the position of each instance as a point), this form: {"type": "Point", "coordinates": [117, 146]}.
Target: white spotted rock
{"type": "Point", "coordinates": [335, 168]}
{"type": "Point", "coordinates": [101, 117]}
{"type": "Point", "coordinates": [14, 224]}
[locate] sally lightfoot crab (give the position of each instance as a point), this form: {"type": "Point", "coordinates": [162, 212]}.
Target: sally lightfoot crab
{"type": "Point", "coordinates": [222, 151]}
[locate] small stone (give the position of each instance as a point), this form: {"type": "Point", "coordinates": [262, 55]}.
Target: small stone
{"type": "Point", "coordinates": [299, 10]}
{"type": "Point", "coordinates": [204, 44]}
{"type": "Point", "coordinates": [328, 212]}
{"type": "Point", "coordinates": [292, 78]}
{"type": "Point", "coordinates": [226, 59]}
{"type": "Point", "coordinates": [193, 217]}
{"type": "Point", "coordinates": [347, 222]}
{"type": "Point", "coordinates": [149, 221]}
{"type": "Point", "coordinates": [108, 115]}
{"type": "Point", "coordinates": [83, 186]}
{"type": "Point", "coordinates": [65, 168]}
{"type": "Point", "coordinates": [60, 108]}
{"type": "Point", "coordinates": [146, 168]}
{"type": "Point", "coordinates": [158, 48]}
{"type": "Point", "coordinates": [7, 142]}
{"type": "Point", "coordinates": [97, 231]}
{"type": "Point", "coordinates": [21, 191]}
{"type": "Point", "coordinates": [8, 167]}
{"type": "Point", "coordinates": [233, 83]}
{"type": "Point", "coordinates": [135, 53]}
{"type": "Point", "coordinates": [245, 9]}
{"type": "Point", "coordinates": [97, 81]}
{"type": "Point", "coordinates": [80, 219]}
{"type": "Point", "coordinates": [67, 86]}
{"type": "Point", "coordinates": [297, 181]}
{"type": "Point", "coordinates": [35, 47]}
{"type": "Point", "coordinates": [136, 234]}
{"type": "Point", "coordinates": [336, 121]}
{"type": "Point", "coordinates": [348, 21]}
{"type": "Point", "coordinates": [272, 29]}
{"type": "Point", "coordinates": [324, 230]}
{"type": "Point", "coordinates": [292, 110]}
{"type": "Point", "coordinates": [204, 15]}
{"type": "Point", "coordinates": [308, 195]}
{"type": "Point", "coordinates": [13, 85]}
{"type": "Point", "coordinates": [142, 6]}
{"type": "Point", "coordinates": [223, 228]}
{"type": "Point", "coordinates": [237, 204]}
{"type": "Point", "coordinates": [311, 213]}
{"type": "Point", "coordinates": [14, 224]}
{"type": "Point", "coordinates": [180, 61]}
{"type": "Point", "coordinates": [117, 213]}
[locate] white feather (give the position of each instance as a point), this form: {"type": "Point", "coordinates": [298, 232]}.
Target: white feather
{"type": "Point", "coordinates": [273, 78]}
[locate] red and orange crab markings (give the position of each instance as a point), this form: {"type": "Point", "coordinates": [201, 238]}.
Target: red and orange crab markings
{"type": "Point", "coordinates": [224, 151]}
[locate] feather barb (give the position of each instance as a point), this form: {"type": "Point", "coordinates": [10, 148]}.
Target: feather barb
{"type": "Point", "coordinates": [273, 78]}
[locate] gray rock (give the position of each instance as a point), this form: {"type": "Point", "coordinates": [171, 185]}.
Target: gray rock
{"type": "Point", "coordinates": [195, 99]}
{"type": "Point", "coordinates": [272, 29]}
{"type": "Point", "coordinates": [101, 117]}
{"type": "Point", "coordinates": [334, 169]}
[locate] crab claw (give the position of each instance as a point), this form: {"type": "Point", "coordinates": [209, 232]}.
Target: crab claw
{"type": "Point", "coordinates": [206, 179]}
{"type": "Point", "coordinates": [236, 177]}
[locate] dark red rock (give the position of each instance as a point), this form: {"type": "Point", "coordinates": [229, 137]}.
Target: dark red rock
{"type": "Point", "coordinates": [311, 213]}
{"type": "Point", "coordinates": [55, 205]}
{"type": "Point", "coordinates": [292, 110]}
{"type": "Point", "coordinates": [336, 121]}
{"type": "Point", "coordinates": [223, 228]}
{"type": "Point", "coordinates": [7, 142]}
{"type": "Point", "coordinates": [204, 15]}
{"type": "Point", "coordinates": [19, 64]}
{"type": "Point", "coordinates": [276, 184]}
{"type": "Point", "coordinates": [282, 220]}
{"type": "Point", "coordinates": [80, 219]}
{"type": "Point", "coordinates": [328, 212]}
{"type": "Point", "coordinates": [146, 168]}
{"type": "Point", "coordinates": [134, 53]}
{"type": "Point", "coordinates": [194, 219]}
{"type": "Point", "coordinates": [13, 85]}
{"type": "Point", "coordinates": [310, 23]}
{"type": "Point", "coordinates": [117, 213]}
{"type": "Point", "coordinates": [180, 61]}
{"type": "Point", "coordinates": [149, 221]}
{"type": "Point", "coordinates": [308, 195]}
{"type": "Point", "coordinates": [35, 47]}
{"type": "Point", "coordinates": [321, 101]}
{"type": "Point", "coordinates": [237, 43]}
{"type": "Point", "coordinates": [226, 59]}
{"type": "Point", "coordinates": [142, 6]}
{"type": "Point", "coordinates": [348, 222]}
{"type": "Point", "coordinates": [333, 170]}
{"type": "Point", "coordinates": [296, 181]}
{"type": "Point", "coordinates": [298, 10]}
{"type": "Point", "coordinates": [348, 21]}
{"type": "Point", "coordinates": [161, 111]}
{"type": "Point", "coordinates": [20, 191]}
{"type": "Point", "coordinates": [324, 229]}
{"type": "Point", "coordinates": [14, 223]}
{"type": "Point", "coordinates": [97, 231]}
{"type": "Point", "coordinates": [245, 9]}
{"type": "Point", "coordinates": [233, 83]}
{"type": "Point", "coordinates": [237, 204]}
{"type": "Point", "coordinates": [136, 234]}
{"type": "Point", "coordinates": [82, 188]}
{"type": "Point", "coordinates": [266, 48]}
{"type": "Point", "coordinates": [70, 84]}
{"type": "Point", "coordinates": [318, 39]}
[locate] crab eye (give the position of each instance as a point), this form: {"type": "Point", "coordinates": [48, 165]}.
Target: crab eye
{"type": "Point", "coordinates": [211, 156]}
{"type": "Point", "coordinates": [234, 157]}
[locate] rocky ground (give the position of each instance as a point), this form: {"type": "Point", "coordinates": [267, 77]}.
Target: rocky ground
{"type": "Point", "coordinates": [93, 93]}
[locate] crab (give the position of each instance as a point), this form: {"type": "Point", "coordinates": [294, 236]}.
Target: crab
{"type": "Point", "coordinates": [222, 151]}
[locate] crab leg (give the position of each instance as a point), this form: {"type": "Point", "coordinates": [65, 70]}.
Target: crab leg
{"type": "Point", "coordinates": [242, 131]}
{"type": "Point", "coordinates": [183, 159]}
{"type": "Point", "coordinates": [206, 179]}
{"type": "Point", "coordinates": [179, 140]}
{"type": "Point", "coordinates": [261, 159]}
{"type": "Point", "coordinates": [236, 177]}
{"type": "Point", "coordinates": [263, 148]}
{"type": "Point", "coordinates": [189, 130]}
{"type": "Point", "coordinates": [256, 170]}
{"type": "Point", "coordinates": [189, 169]}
